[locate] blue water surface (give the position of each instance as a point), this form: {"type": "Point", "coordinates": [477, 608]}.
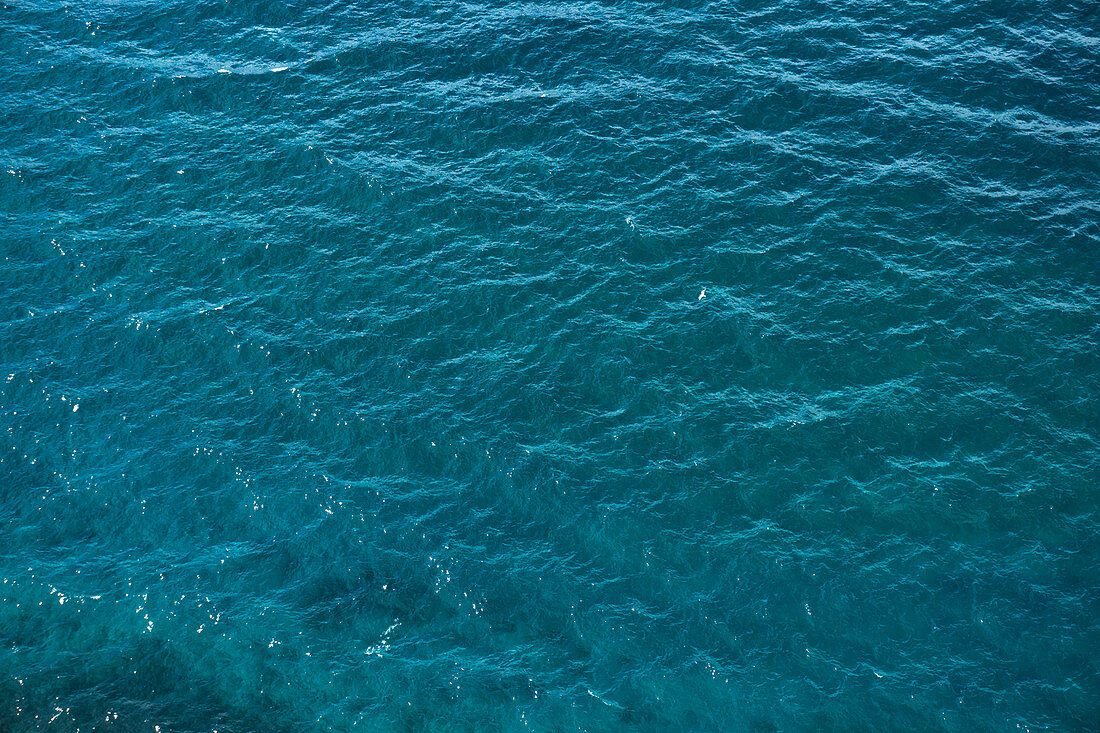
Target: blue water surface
{"type": "Point", "coordinates": [493, 366]}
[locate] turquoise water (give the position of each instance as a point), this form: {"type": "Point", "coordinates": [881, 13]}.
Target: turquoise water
{"type": "Point", "coordinates": [640, 366]}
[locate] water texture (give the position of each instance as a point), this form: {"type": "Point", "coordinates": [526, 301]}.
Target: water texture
{"type": "Point", "coordinates": [489, 366]}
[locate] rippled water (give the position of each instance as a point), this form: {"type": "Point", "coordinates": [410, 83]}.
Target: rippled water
{"type": "Point", "coordinates": [641, 366]}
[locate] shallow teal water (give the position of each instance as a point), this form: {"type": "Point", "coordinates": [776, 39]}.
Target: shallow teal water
{"type": "Point", "coordinates": [574, 366]}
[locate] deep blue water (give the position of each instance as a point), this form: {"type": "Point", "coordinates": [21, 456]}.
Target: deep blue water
{"type": "Point", "coordinates": [634, 366]}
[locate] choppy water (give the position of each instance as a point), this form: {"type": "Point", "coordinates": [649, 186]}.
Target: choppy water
{"type": "Point", "coordinates": [640, 366]}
